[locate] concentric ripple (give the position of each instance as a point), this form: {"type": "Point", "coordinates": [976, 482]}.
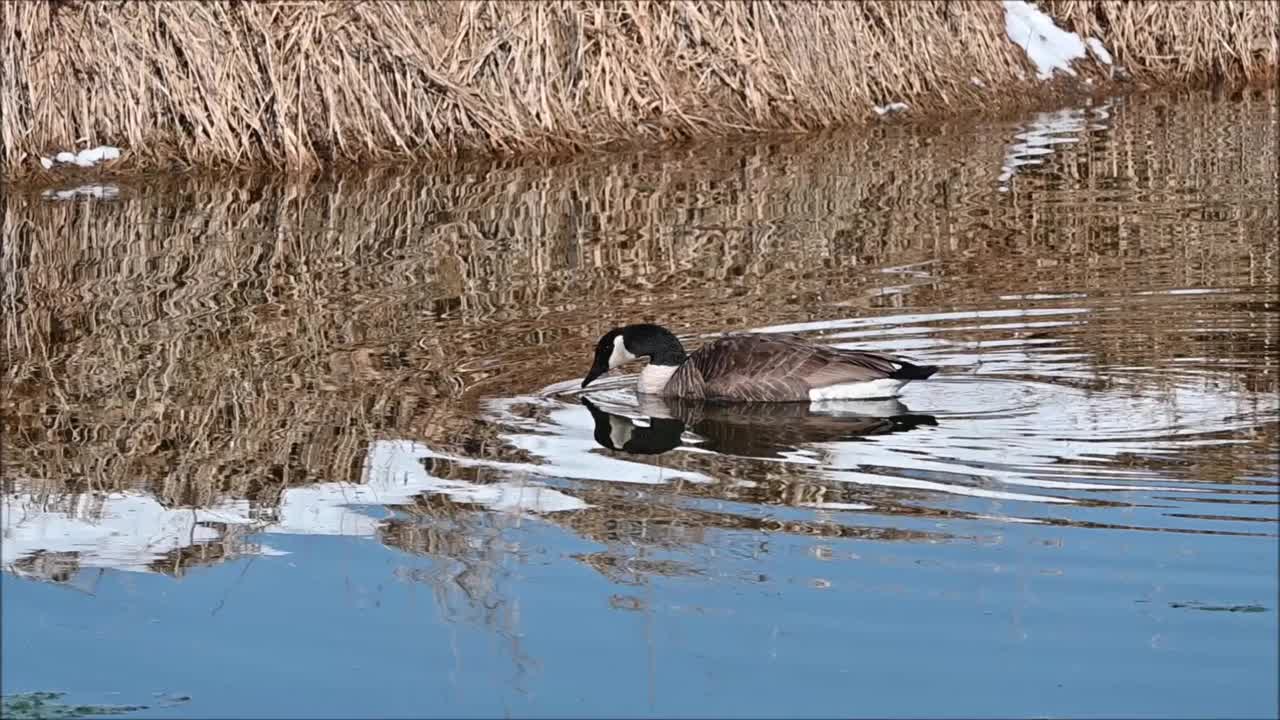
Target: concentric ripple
{"type": "Point", "coordinates": [1025, 425]}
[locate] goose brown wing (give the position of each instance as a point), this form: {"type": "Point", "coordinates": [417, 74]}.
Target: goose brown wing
{"type": "Point", "coordinates": [782, 367]}
{"type": "Point", "coordinates": [687, 382]}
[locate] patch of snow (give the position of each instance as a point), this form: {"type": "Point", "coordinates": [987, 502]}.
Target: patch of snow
{"type": "Point", "coordinates": [1047, 45]}
{"type": "Point", "coordinates": [84, 158]}
{"type": "Point", "coordinates": [93, 156]}
{"type": "Point", "coordinates": [1099, 50]}
{"type": "Point", "coordinates": [892, 107]}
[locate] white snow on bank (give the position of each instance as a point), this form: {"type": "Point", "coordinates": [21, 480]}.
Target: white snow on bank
{"type": "Point", "coordinates": [84, 158]}
{"type": "Point", "coordinates": [893, 107]}
{"type": "Point", "coordinates": [1099, 50]}
{"type": "Point", "coordinates": [1047, 45]}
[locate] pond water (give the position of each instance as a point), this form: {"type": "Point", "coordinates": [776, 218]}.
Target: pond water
{"type": "Point", "coordinates": [318, 449]}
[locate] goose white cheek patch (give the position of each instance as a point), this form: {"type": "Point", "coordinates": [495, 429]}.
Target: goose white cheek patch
{"type": "Point", "coordinates": [621, 355]}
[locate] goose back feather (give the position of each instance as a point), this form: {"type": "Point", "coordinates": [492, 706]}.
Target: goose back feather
{"type": "Point", "coordinates": [780, 368]}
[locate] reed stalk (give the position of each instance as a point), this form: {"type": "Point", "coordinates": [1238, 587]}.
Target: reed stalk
{"type": "Point", "coordinates": [310, 84]}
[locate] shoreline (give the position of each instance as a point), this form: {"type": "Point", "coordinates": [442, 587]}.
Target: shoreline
{"type": "Point", "coordinates": [121, 178]}
{"type": "Point", "coordinates": [772, 92]}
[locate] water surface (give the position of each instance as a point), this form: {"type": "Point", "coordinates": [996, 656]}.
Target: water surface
{"type": "Point", "coordinates": [284, 449]}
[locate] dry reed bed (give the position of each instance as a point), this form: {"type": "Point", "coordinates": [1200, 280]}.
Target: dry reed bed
{"type": "Point", "coordinates": [1170, 41]}
{"type": "Point", "coordinates": [308, 84]}
{"type": "Point", "coordinates": [206, 341]}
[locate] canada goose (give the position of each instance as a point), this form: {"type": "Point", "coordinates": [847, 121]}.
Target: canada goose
{"type": "Point", "coordinates": [767, 430]}
{"type": "Point", "coordinates": [752, 368]}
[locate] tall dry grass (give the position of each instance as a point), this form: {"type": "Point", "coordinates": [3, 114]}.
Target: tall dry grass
{"type": "Point", "coordinates": [1171, 41]}
{"type": "Point", "coordinates": [307, 84]}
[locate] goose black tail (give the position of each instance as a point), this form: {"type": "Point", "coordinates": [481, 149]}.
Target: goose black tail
{"type": "Point", "coordinates": [913, 372]}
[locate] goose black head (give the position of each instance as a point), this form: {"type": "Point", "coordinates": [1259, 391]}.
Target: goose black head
{"type": "Point", "coordinates": [621, 345]}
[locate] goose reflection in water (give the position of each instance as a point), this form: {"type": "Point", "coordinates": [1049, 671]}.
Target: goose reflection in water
{"type": "Point", "coordinates": [766, 430]}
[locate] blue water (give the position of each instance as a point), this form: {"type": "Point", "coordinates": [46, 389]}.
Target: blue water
{"type": "Point", "coordinates": [1013, 626]}
{"type": "Point", "coordinates": [1019, 624]}
{"type": "Point", "coordinates": [272, 453]}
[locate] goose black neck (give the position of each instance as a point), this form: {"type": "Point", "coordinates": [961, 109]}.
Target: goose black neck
{"type": "Point", "coordinates": [658, 343]}
{"type": "Point", "coordinates": [673, 357]}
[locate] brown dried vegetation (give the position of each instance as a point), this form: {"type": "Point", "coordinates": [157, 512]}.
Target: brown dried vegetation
{"type": "Point", "coordinates": [297, 84]}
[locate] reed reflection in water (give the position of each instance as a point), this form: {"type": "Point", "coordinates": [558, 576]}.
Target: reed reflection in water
{"type": "Point", "coordinates": [307, 400]}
